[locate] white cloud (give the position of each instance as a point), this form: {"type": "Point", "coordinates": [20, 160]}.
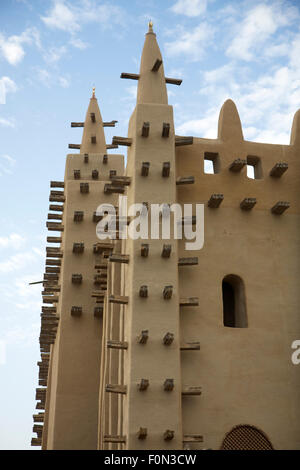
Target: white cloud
{"type": "Point", "coordinates": [190, 7]}
{"type": "Point", "coordinates": [7, 122]}
{"type": "Point", "coordinates": [7, 164]}
{"type": "Point", "coordinates": [54, 54]}
{"type": "Point", "coordinates": [16, 262]}
{"type": "Point", "coordinates": [192, 42]}
{"type": "Point", "coordinates": [70, 17]}
{"type": "Point", "coordinates": [12, 47]}
{"type": "Point", "coordinates": [14, 240]}
{"type": "Point", "coordinates": [205, 127]}
{"type": "Point", "coordinates": [78, 43]}
{"type": "Point", "coordinates": [64, 82]}
{"type": "Point", "coordinates": [7, 85]}
{"type": "Point", "coordinates": [258, 25]}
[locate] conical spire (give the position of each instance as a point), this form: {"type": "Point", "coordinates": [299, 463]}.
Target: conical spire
{"type": "Point", "coordinates": [152, 84]}
{"type": "Point", "coordinates": [295, 133]}
{"type": "Point", "coordinates": [230, 127]}
{"type": "Point", "coordinates": [93, 138]}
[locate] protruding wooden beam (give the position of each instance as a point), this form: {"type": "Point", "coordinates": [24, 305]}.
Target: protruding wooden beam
{"type": "Point", "coordinates": [78, 247]}
{"type": "Point", "coordinates": [57, 184]}
{"type": "Point", "coordinates": [120, 180]}
{"type": "Point", "coordinates": [93, 117]}
{"type": "Point", "coordinates": [145, 129]}
{"type": "Point", "coordinates": [190, 438]}
{"type": "Point", "coordinates": [191, 391]}
{"type": "Point", "coordinates": [74, 146]}
{"type": "Point", "coordinates": [215, 201]}
{"type": "Point", "coordinates": [189, 302]}
{"type": "Point", "coordinates": [185, 180]}
{"type": "Point", "coordinates": [156, 65]}
{"type": "Point", "coordinates": [105, 159]}
{"type": "Point", "coordinates": [53, 262]}
{"type": "Point", "coordinates": [168, 339]}
{"type": "Point", "coordinates": [76, 174]}
{"type": "Point", "coordinates": [52, 270]}
{"type": "Point", "coordinates": [248, 203]}
{"type": "Point", "coordinates": [167, 292]}
{"type": "Point", "coordinates": [95, 174]}
{"type": "Point", "coordinates": [119, 299]}
{"type": "Point", "coordinates": [183, 140]}
{"type": "Point", "coordinates": [237, 165]}
{"type": "Point", "coordinates": [84, 188]}
{"type": "Point", "coordinates": [54, 207]}
{"type": "Point", "coordinates": [166, 251]}
{"type": "Point", "coordinates": [36, 441]}
{"type": "Point", "coordinates": [165, 129]}
{"type": "Point", "coordinates": [76, 278]}
{"type": "Point", "coordinates": [112, 344]}
{"type": "Point", "coordinates": [192, 346]}
{"type": "Point", "coordinates": [143, 337]}
{"type": "Point", "coordinates": [130, 76]}
{"type": "Point", "coordinates": [113, 189]}
{"type": "Point", "coordinates": [76, 311]}
{"type": "Point", "coordinates": [50, 300]}
{"type": "Point", "coordinates": [103, 246]}
{"type": "Point", "coordinates": [39, 418]}
{"type": "Point", "coordinates": [111, 146]}
{"type": "Point", "coordinates": [54, 239]}
{"type": "Point", "coordinates": [143, 292]}
{"type": "Point", "coordinates": [86, 158]}
{"type": "Point", "coordinates": [142, 433]}
{"type": "Point", "coordinates": [78, 216]}
{"type": "Point", "coordinates": [54, 227]}
{"type": "Point", "coordinates": [144, 250]}
{"type": "Point", "coordinates": [77, 124]}
{"type": "Point", "coordinates": [93, 139]}
{"type": "Point", "coordinates": [174, 81]}
{"type": "Point", "coordinates": [280, 207]}
{"type": "Point", "coordinates": [111, 388]}
{"type": "Point", "coordinates": [278, 169]}
{"type": "Point", "coordinates": [169, 435]}
{"type": "Point", "coordinates": [117, 140]}
{"type": "Point", "coordinates": [109, 124]}
{"type": "Point", "coordinates": [143, 385]}
{"type": "Point", "coordinates": [168, 385]}
{"type": "Point", "coordinates": [193, 261]}
{"type": "Point", "coordinates": [166, 169]}
{"type": "Point", "coordinates": [145, 168]}
{"type": "Point", "coordinates": [119, 258]}
{"type": "Point", "coordinates": [114, 439]}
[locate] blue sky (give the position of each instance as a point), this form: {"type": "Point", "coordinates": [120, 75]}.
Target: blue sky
{"type": "Point", "coordinates": [51, 54]}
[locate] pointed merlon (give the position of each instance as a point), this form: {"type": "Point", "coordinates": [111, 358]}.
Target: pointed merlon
{"type": "Point", "coordinates": [229, 127]}
{"type": "Point", "coordinates": [93, 139]}
{"type": "Point", "coordinates": [151, 86]}
{"type": "Point", "coordinates": [295, 133]}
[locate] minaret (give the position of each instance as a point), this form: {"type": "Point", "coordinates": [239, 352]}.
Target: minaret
{"type": "Point", "coordinates": [152, 377]}
{"type": "Point", "coordinates": [93, 139]}
{"type": "Point", "coordinates": [71, 415]}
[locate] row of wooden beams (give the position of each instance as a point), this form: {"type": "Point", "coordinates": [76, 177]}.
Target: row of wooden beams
{"type": "Point", "coordinates": [144, 336]}
{"type": "Point", "coordinates": [114, 145]}
{"type": "Point", "coordinates": [105, 124]}
{"type": "Point", "coordinates": [168, 386]}
{"type": "Point", "coordinates": [57, 184]}
{"type": "Point", "coordinates": [58, 208]}
{"type": "Point", "coordinates": [183, 302]}
{"type": "Point", "coordinates": [136, 76]}
{"type": "Point", "coordinates": [117, 140]}
{"type": "Point", "coordinates": [143, 432]}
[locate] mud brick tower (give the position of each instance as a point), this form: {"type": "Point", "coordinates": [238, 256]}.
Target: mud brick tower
{"type": "Point", "coordinates": [145, 345]}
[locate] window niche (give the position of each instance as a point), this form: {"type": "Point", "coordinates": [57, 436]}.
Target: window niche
{"type": "Point", "coordinates": [211, 163]}
{"type": "Point", "coordinates": [254, 167]}
{"type": "Point", "coordinates": [234, 302]}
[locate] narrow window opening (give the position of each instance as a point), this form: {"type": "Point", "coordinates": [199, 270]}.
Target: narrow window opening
{"type": "Point", "coordinates": [211, 163]}
{"type": "Point", "coordinates": [234, 302]}
{"type": "Point", "coordinates": [254, 168]}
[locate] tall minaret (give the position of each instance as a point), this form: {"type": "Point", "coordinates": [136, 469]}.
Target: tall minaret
{"type": "Point", "coordinates": [71, 414]}
{"type": "Point", "coordinates": [152, 376]}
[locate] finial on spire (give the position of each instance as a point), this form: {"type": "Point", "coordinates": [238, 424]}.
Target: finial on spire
{"type": "Point", "coordinates": [94, 89]}
{"type": "Point", "coordinates": [150, 25]}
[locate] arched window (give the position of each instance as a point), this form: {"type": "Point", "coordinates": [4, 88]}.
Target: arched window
{"type": "Point", "coordinates": [234, 302]}
{"type": "Point", "coordinates": [246, 437]}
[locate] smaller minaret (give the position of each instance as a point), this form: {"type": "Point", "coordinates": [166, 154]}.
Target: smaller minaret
{"type": "Point", "coordinates": [230, 127]}
{"type": "Point", "coordinates": [93, 138]}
